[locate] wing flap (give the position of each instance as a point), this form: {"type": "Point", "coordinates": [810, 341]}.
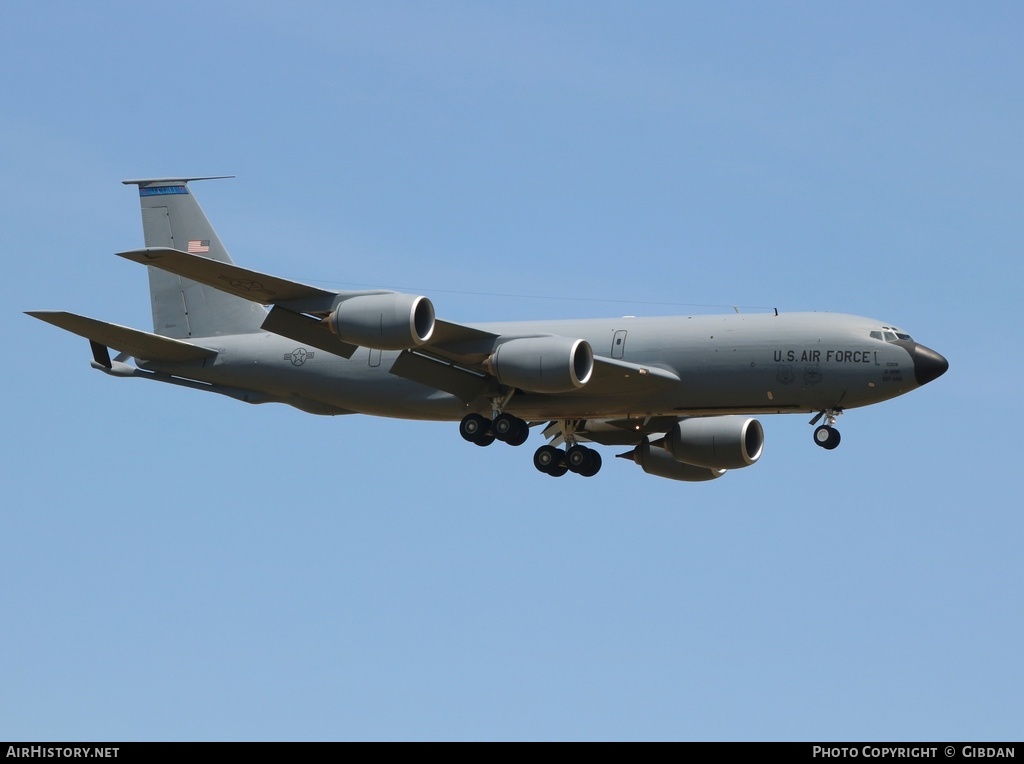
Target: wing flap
{"type": "Point", "coordinates": [307, 330]}
{"type": "Point", "coordinates": [136, 343]}
{"type": "Point", "coordinates": [463, 384]}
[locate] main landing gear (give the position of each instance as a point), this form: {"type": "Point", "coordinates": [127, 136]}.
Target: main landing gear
{"type": "Point", "coordinates": [556, 462]}
{"type": "Point", "coordinates": [550, 460]}
{"type": "Point", "coordinates": [827, 436]}
{"type": "Point", "coordinates": [504, 427]}
{"type": "Point", "coordinates": [575, 458]}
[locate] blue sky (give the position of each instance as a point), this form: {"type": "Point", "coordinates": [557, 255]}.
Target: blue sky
{"type": "Point", "coordinates": [182, 566]}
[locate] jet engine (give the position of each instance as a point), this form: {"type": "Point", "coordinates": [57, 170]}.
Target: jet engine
{"type": "Point", "coordinates": [543, 364]}
{"type": "Point", "coordinates": [717, 442]}
{"type": "Point", "coordinates": [660, 463]}
{"type": "Point", "coordinates": [389, 321]}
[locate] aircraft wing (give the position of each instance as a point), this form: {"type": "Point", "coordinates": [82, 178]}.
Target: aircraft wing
{"type": "Point", "coordinates": [456, 375]}
{"type": "Point", "coordinates": [613, 376]}
{"type": "Point", "coordinates": [452, 360]}
{"type": "Point", "coordinates": [136, 343]}
{"type": "Point", "coordinates": [291, 300]}
{"type": "Point", "coordinates": [230, 278]}
{"type": "Point", "coordinates": [461, 343]}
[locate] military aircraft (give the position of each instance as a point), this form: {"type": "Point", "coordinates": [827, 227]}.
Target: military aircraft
{"type": "Point", "coordinates": [678, 391]}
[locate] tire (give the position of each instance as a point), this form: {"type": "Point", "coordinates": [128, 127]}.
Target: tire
{"type": "Point", "coordinates": [546, 458]}
{"type": "Point", "coordinates": [473, 426]}
{"type": "Point", "coordinates": [827, 437]}
{"type": "Point", "coordinates": [577, 457]}
{"type": "Point", "coordinates": [592, 465]}
{"type": "Point", "coordinates": [521, 436]}
{"type": "Point", "coordinates": [504, 426]}
{"type": "Point", "coordinates": [560, 470]}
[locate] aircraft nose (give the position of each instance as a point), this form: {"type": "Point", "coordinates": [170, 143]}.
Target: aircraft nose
{"type": "Point", "coordinates": [928, 364]}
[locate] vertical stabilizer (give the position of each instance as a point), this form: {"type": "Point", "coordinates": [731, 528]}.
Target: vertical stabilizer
{"type": "Point", "coordinates": [183, 309]}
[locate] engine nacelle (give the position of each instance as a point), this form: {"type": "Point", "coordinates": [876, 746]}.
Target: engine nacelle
{"type": "Point", "coordinates": [543, 364]}
{"type": "Point", "coordinates": [390, 321]}
{"type": "Point", "coordinates": [658, 462]}
{"type": "Point", "coordinates": [716, 442]}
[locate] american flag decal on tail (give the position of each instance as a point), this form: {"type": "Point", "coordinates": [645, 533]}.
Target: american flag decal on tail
{"type": "Point", "coordinates": [198, 246]}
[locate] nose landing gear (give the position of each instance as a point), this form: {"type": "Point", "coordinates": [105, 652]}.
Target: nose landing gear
{"type": "Point", "coordinates": [827, 436]}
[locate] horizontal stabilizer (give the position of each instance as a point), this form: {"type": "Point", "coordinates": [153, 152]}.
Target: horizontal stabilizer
{"type": "Point", "coordinates": [230, 278]}
{"type": "Point", "coordinates": [138, 344]}
{"type": "Point", "coordinates": [154, 181]}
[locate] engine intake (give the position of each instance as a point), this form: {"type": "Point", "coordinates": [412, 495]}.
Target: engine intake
{"type": "Point", "coordinates": [717, 442]}
{"type": "Point", "coordinates": [390, 321]}
{"type": "Point", "coordinates": [543, 364]}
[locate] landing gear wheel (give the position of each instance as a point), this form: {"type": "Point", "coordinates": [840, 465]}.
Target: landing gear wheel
{"type": "Point", "coordinates": [550, 461]}
{"type": "Point", "coordinates": [577, 457]}
{"type": "Point", "coordinates": [509, 429]}
{"type": "Point", "coordinates": [473, 426]}
{"type": "Point", "coordinates": [504, 426]}
{"type": "Point", "coordinates": [485, 438]}
{"type": "Point", "coordinates": [827, 437]}
{"type": "Point", "coordinates": [521, 436]}
{"type": "Point", "coordinates": [583, 461]}
{"type": "Point", "coordinates": [545, 457]}
{"type": "Point", "coordinates": [559, 470]}
{"type": "Point", "coordinates": [593, 464]}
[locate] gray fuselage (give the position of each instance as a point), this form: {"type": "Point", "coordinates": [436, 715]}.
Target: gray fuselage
{"type": "Point", "coordinates": [736, 363]}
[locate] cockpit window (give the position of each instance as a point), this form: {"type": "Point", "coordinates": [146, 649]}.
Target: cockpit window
{"type": "Point", "coordinates": [891, 334]}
